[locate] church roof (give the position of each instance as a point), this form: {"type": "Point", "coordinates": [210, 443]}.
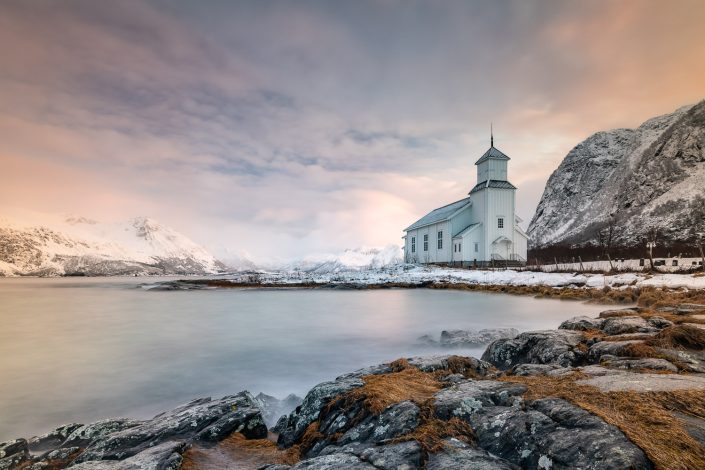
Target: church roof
{"type": "Point", "coordinates": [440, 214]}
{"type": "Point", "coordinates": [500, 184]}
{"type": "Point", "coordinates": [467, 229]}
{"type": "Point", "coordinates": [492, 153]}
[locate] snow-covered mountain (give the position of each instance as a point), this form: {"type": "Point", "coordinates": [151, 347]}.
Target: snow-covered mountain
{"type": "Point", "coordinates": [45, 244]}
{"type": "Point", "coordinates": [633, 183]}
{"type": "Point", "coordinates": [358, 259]}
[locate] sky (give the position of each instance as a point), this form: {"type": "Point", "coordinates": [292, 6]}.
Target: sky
{"type": "Point", "coordinates": [276, 128]}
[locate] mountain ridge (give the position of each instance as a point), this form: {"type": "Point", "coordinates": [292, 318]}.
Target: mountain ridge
{"type": "Point", "coordinates": [622, 186]}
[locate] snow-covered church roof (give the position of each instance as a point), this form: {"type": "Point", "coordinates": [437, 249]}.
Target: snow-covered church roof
{"type": "Point", "coordinates": [440, 214]}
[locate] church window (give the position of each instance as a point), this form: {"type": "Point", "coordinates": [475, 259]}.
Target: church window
{"type": "Point", "coordinates": [413, 244]}
{"type": "Point", "coordinates": [500, 222]}
{"type": "Point", "coordinates": [425, 242]}
{"type": "Point", "coordinates": [440, 239]}
{"type": "Point", "coordinates": [477, 247]}
{"type": "Point", "coordinates": [460, 247]}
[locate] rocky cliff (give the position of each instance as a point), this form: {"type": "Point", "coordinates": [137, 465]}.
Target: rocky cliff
{"type": "Point", "coordinates": [624, 185]}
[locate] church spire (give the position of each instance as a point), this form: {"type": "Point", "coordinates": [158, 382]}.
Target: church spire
{"type": "Point", "coordinates": [491, 136]}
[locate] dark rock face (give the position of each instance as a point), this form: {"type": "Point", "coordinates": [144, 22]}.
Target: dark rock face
{"type": "Point", "coordinates": [536, 347]}
{"type": "Point", "coordinates": [310, 409]}
{"type": "Point", "coordinates": [547, 433]}
{"type": "Point", "coordinates": [166, 456]}
{"type": "Point", "coordinates": [582, 323]}
{"type": "Point", "coordinates": [13, 454]}
{"type": "Point", "coordinates": [203, 419]}
{"type": "Point", "coordinates": [460, 456]}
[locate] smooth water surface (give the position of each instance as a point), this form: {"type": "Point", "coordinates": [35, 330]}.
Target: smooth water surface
{"type": "Point", "coordinates": [81, 349]}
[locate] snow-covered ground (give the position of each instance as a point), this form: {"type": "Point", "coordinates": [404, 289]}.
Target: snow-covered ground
{"type": "Point", "coordinates": [628, 265]}
{"type": "Point", "coordinates": [416, 274]}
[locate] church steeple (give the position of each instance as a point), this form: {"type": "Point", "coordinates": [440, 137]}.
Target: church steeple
{"type": "Point", "coordinates": [491, 136]}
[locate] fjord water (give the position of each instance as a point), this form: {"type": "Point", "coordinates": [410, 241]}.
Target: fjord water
{"type": "Point", "coordinates": [82, 349]}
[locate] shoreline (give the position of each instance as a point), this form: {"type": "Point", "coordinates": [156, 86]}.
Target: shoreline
{"type": "Point", "coordinates": [623, 383]}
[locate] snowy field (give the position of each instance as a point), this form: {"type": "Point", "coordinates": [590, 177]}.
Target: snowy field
{"type": "Point", "coordinates": [628, 265]}
{"type": "Point", "coordinates": [415, 274]}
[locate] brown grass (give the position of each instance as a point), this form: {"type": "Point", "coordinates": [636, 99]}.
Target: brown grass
{"type": "Point", "coordinates": [645, 418]}
{"type": "Point", "coordinates": [381, 391]}
{"type": "Point", "coordinates": [237, 452]}
{"type": "Point", "coordinates": [680, 337]}
{"type": "Point", "coordinates": [661, 297]}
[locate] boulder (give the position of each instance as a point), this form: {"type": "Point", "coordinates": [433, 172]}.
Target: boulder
{"type": "Point", "coordinates": [202, 419]}
{"type": "Point", "coordinates": [165, 456]}
{"type": "Point", "coordinates": [622, 325]}
{"type": "Point", "coordinates": [311, 407]}
{"type": "Point", "coordinates": [13, 454]}
{"type": "Point", "coordinates": [611, 348]}
{"type": "Point", "coordinates": [403, 455]}
{"type": "Point", "coordinates": [85, 434]}
{"type": "Point", "coordinates": [475, 338]}
{"type": "Point", "coordinates": [659, 322]}
{"type": "Point", "coordinates": [582, 323]}
{"type": "Point", "coordinates": [536, 347]}
{"type": "Point", "coordinates": [545, 433]}
{"type": "Point", "coordinates": [53, 439]}
{"type": "Point", "coordinates": [458, 455]}
{"type": "Point", "coordinates": [397, 420]}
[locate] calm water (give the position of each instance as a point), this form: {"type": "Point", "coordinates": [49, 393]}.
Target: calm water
{"type": "Point", "coordinates": [77, 350]}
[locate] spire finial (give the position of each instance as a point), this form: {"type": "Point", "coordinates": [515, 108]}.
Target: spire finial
{"type": "Point", "coordinates": [491, 136]}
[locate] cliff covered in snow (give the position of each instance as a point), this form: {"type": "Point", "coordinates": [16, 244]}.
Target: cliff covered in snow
{"type": "Point", "coordinates": [625, 185]}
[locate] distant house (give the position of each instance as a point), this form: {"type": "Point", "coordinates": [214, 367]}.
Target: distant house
{"type": "Point", "coordinates": [479, 230]}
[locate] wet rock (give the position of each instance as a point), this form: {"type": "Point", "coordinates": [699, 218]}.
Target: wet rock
{"type": "Point", "coordinates": [405, 455]}
{"type": "Point", "coordinates": [611, 348]}
{"type": "Point", "coordinates": [460, 456]}
{"type": "Point", "coordinates": [280, 426]}
{"type": "Point", "coordinates": [85, 434]}
{"type": "Point", "coordinates": [13, 454]}
{"type": "Point", "coordinates": [474, 338]}
{"type": "Point", "coordinates": [203, 419]}
{"type": "Point", "coordinates": [582, 323]}
{"type": "Point", "coordinates": [622, 325]}
{"type": "Point", "coordinates": [396, 420]}
{"type": "Point", "coordinates": [52, 440]}
{"type": "Point", "coordinates": [333, 462]}
{"type": "Point", "coordinates": [536, 347]}
{"type": "Point", "coordinates": [527, 434]}
{"type": "Point", "coordinates": [311, 407]}
{"type": "Point", "coordinates": [165, 456]}
{"type": "Point", "coordinates": [427, 340]}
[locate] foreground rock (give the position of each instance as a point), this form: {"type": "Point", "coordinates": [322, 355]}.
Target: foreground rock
{"type": "Point", "coordinates": [125, 444]}
{"type": "Point", "coordinates": [537, 347]}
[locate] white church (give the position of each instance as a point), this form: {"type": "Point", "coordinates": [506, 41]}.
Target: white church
{"type": "Point", "coordinates": [479, 230]}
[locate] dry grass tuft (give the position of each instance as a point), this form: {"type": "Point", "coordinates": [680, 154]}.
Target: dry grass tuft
{"type": "Point", "coordinates": [238, 452]}
{"type": "Point", "coordinates": [640, 350]}
{"type": "Point", "coordinates": [645, 418]}
{"type": "Point", "coordinates": [680, 337]}
{"type": "Point", "coordinates": [381, 391]}
{"type": "Point", "coordinates": [661, 297]}
{"type": "Point", "coordinates": [399, 365]}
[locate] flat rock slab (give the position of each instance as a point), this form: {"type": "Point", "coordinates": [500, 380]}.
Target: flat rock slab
{"type": "Point", "coordinates": [635, 382]}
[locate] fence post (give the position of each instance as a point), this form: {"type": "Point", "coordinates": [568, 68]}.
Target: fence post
{"type": "Point", "coordinates": [582, 268]}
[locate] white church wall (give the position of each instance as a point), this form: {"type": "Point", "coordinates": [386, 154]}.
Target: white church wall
{"type": "Point", "coordinates": [500, 205]}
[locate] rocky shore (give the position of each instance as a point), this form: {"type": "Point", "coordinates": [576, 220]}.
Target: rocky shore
{"type": "Point", "coordinates": [623, 390]}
